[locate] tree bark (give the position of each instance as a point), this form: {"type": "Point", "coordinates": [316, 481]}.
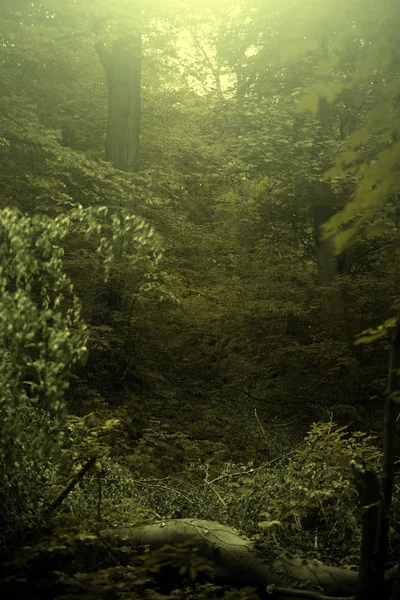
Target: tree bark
{"type": "Point", "coordinates": [236, 562]}
{"type": "Point", "coordinates": [327, 262]}
{"type": "Point", "coordinates": [206, 550]}
{"type": "Point", "coordinates": [323, 207]}
{"type": "Point", "coordinates": [123, 71]}
{"type": "Point", "coordinates": [389, 449]}
{"type": "Point", "coordinates": [368, 488]}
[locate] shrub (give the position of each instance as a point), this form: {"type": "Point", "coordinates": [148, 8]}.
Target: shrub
{"type": "Point", "coordinates": [309, 500]}
{"type": "Point", "coordinates": [42, 337]}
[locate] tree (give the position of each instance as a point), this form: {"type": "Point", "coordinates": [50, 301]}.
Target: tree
{"type": "Point", "coordinates": [123, 72]}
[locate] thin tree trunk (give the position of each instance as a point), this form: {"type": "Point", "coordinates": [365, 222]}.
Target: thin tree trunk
{"type": "Point", "coordinates": [323, 207]}
{"type": "Point", "coordinates": [327, 262]}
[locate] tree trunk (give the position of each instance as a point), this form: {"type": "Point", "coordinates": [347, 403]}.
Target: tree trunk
{"type": "Point", "coordinates": [323, 207]}
{"type": "Point", "coordinates": [236, 562]}
{"type": "Point", "coordinates": [123, 72]}
{"type": "Point", "coordinates": [327, 262]}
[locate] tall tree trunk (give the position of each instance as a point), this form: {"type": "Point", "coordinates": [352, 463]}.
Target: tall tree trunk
{"type": "Point", "coordinates": [123, 72]}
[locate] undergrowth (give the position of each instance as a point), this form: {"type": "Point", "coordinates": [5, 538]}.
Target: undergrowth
{"type": "Point", "coordinates": [302, 500]}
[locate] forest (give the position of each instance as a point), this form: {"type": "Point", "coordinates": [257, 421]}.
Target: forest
{"type": "Point", "coordinates": [199, 299]}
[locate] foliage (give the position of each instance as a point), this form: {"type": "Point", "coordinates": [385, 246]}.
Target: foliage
{"type": "Point", "coordinates": [371, 150]}
{"type": "Point", "coordinates": [108, 492]}
{"type": "Point", "coordinates": [226, 178]}
{"type": "Point", "coordinates": [370, 335]}
{"type": "Point", "coordinates": [48, 568]}
{"type": "Point", "coordinates": [89, 573]}
{"type": "Point", "coordinates": [308, 500]}
{"type": "Point", "coordinates": [304, 499]}
{"type": "Point", "coordinates": [246, 109]}
{"type": "Point", "coordinates": [351, 67]}
{"type": "Point", "coordinates": [42, 336]}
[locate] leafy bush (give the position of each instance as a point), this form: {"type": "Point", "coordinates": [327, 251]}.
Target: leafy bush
{"type": "Point", "coordinates": [108, 492]}
{"type": "Point", "coordinates": [305, 499]}
{"type": "Point", "coordinates": [309, 500]}
{"type": "Point", "coordinates": [42, 336]}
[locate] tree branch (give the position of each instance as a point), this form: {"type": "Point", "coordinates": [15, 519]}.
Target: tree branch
{"type": "Point", "coordinates": [75, 480]}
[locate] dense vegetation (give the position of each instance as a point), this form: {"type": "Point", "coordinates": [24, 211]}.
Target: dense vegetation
{"type": "Point", "coordinates": [199, 234]}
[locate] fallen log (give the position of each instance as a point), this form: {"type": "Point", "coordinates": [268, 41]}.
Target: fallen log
{"type": "Point", "coordinates": [237, 563]}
